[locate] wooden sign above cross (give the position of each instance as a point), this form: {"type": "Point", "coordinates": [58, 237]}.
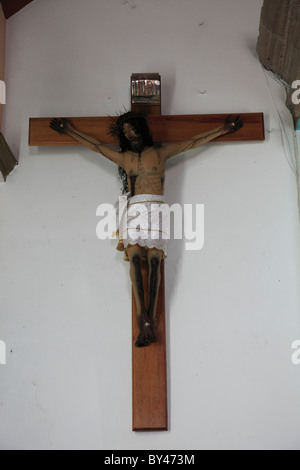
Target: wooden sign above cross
{"type": "Point", "coordinates": [149, 373]}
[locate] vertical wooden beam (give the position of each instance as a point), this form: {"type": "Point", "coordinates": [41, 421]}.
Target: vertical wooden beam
{"type": "Point", "coordinates": [149, 369]}
{"type": "Point", "coordinates": [149, 364]}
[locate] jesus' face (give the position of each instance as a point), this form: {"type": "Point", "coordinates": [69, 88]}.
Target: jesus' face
{"type": "Point", "coordinates": [135, 139]}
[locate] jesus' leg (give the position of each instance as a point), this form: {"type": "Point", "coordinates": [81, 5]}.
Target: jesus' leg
{"type": "Point", "coordinates": [146, 325]}
{"type": "Point", "coordinates": [154, 259]}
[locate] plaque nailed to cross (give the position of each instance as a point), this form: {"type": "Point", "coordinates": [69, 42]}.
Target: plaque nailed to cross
{"type": "Point", "coordinates": [141, 161]}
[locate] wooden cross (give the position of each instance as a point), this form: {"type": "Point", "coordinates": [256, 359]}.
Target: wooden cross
{"type": "Point", "coordinates": [149, 370]}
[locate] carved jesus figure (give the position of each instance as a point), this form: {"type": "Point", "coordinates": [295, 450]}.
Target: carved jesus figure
{"type": "Point", "coordinates": [142, 168]}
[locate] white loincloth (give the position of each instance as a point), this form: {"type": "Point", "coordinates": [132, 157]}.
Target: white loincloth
{"type": "Point", "coordinates": [144, 221]}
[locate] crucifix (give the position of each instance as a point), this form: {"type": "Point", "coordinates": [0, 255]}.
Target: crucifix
{"type": "Point", "coordinates": [141, 163]}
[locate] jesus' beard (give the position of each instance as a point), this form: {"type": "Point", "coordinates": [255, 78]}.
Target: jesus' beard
{"type": "Point", "coordinates": [137, 145]}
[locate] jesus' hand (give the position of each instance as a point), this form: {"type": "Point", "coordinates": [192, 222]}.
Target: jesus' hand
{"type": "Point", "coordinates": [59, 125]}
{"type": "Point", "coordinates": [232, 125]}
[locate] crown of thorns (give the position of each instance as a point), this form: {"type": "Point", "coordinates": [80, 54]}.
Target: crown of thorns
{"type": "Point", "coordinates": [135, 119]}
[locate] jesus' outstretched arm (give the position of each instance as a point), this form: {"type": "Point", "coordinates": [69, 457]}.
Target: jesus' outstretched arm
{"type": "Point", "coordinates": [230, 125]}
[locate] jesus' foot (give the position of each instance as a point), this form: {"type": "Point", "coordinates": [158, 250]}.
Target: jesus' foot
{"type": "Point", "coordinates": [148, 334]}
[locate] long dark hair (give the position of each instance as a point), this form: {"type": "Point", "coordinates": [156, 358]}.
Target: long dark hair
{"type": "Point", "coordinates": [139, 122]}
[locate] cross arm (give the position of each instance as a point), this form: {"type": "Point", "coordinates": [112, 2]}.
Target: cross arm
{"type": "Point", "coordinates": [63, 126]}
{"type": "Point", "coordinates": [165, 129]}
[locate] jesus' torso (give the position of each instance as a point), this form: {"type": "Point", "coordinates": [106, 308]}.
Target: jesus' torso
{"type": "Point", "coordinates": [145, 171]}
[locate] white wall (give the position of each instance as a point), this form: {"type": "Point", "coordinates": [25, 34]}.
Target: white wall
{"type": "Point", "coordinates": [65, 305]}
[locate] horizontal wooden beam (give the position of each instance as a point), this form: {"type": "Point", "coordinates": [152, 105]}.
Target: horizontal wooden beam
{"type": "Point", "coordinates": [164, 128]}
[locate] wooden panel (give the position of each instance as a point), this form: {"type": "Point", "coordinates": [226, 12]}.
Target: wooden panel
{"type": "Point", "coordinates": [10, 7]}
{"type": "Point", "coordinates": [178, 128]}
{"type": "Point", "coordinates": [149, 372]}
{"type": "Point", "coordinates": [163, 128]}
{"type": "Point", "coordinates": [7, 159]}
{"type": "Point", "coordinates": [2, 55]}
{"type": "Point", "coordinates": [41, 134]}
{"type": "Point", "coordinates": [151, 109]}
